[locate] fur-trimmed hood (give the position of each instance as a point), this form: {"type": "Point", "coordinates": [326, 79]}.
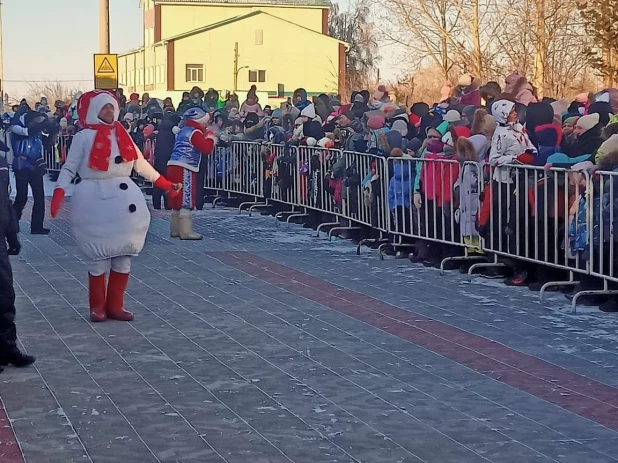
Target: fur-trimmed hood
{"type": "Point", "coordinates": [520, 89]}
{"type": "Point", "coordinates": [609, 162]}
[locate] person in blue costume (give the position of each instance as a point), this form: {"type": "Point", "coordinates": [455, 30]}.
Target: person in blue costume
{"type": "Point", "coordinates": [192, 142]}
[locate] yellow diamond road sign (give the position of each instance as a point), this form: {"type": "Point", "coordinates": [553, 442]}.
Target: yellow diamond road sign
{"type": "Point", "coordinates": [105, 72]}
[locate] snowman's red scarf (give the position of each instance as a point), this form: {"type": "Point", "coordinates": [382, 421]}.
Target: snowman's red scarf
{"type": "Point", "coordinates": [102, 146]}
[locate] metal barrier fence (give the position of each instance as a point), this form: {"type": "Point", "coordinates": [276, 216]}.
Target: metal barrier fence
{"type": "Point", "coordinates": [365, 189]}
{"type": "Point", "coordinates": [469, 210]}
{"type": "Point", "coordinates": [554, 218]}
{"type": "Point", "coordinates": [602, 218]}
{"type": "Point", "coordinates": [56, 155]}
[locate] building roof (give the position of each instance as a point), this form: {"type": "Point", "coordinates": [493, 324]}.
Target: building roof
{"type": "Point", "coordinates": [316, 3]}
{"type": "Point", "coordinates": [234, 19]}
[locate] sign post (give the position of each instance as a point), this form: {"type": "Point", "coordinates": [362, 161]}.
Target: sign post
{"type": "Point", "coordinates": [105, 72]}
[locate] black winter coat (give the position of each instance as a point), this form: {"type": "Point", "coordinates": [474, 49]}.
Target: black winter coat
{"type": "Point", "coordinates": [588, 143]}
{"type": "Point", "coordinates": [8, 221]}
{"type": "Point", "coordinates": [165, 141]}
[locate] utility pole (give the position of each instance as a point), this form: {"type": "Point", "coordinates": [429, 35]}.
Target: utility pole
{"type": "Point", "coordinates": [235, 66]}
{"type": "Point", "coordinates": [103, 26]}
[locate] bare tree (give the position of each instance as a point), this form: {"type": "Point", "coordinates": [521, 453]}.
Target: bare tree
{"type": "Point", "coordinates": [423, 30]}
{"type": "Point", "coordinates": [402, 90]}
{"type": "Point", "coordinates": [354, 28]}
{"type": "Point", "coordinates": [550, 51]}
{"type": "Point", "coordinates": [543, 39]}
{"type": "Point", "coordinates": [53, 91]}
{"type": "Point", "coordinates": [455, 35]}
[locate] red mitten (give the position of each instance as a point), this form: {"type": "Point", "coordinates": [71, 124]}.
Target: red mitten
{"type": "Point", "coordinates": [173, 189]}
{"type": "Point", "coordinates": [175, 193]}
{"type": "Point", "coordinates": [56, 201]}
{"type": "Point", "coordinates": [526, 158]}
{"type": "Point", "coordinates": [164, 184]}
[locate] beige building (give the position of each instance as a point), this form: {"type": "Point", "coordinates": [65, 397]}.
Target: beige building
{"type": "Point", "coordinates": [233, 44]}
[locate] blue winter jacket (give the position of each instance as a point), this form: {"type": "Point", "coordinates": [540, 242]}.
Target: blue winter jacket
{"type": "Point", "coordinates": [26, 148]}
{"type": "Point", "coordinates": [401, 184]}
{"type": "Point", "coordinates": [609, 204]}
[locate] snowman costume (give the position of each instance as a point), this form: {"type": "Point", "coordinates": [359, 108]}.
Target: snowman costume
{"type": "Point", "coordinates": [109, 215]}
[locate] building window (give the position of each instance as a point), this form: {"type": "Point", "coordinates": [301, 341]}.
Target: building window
{"type": "Point", "coordinates": [195, 73]}
{"type": "Point", "coordinates": [259, 36]}
{"type": "Point", "coordinates": [257, 76]}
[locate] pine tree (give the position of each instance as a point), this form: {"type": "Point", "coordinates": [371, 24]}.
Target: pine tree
{"type": "Point", "coordinates": [601, 22]}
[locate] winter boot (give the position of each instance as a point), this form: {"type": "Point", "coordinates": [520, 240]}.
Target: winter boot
{"type": "Point", "coordinates": [186, 226]}
{"type": "Point", "coordinates": [17, 359]}
{"type": "Point", "coordinates": [115, 297]}
{"type": "Point", "coordinates": [96, 296]}
{"type": "Point", "coordinates": [175, 224]}
{"type": "Point", "coordinates": [611, 305]}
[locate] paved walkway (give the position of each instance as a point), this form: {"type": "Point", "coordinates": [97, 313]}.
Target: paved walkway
{"type": "Point", "coordinates": [263, 344]}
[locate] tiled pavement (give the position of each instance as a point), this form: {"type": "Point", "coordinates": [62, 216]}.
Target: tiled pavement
{"type": "Point", "coordinates": [262, 344]}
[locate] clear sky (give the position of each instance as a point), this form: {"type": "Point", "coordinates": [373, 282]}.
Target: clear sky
{"type": "Point", "coordinates": [55, 39]}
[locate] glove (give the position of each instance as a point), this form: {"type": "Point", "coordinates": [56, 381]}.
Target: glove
{"type": "Point", "coordinates": [211, 135]}
{"type": "Point", "coordinates": [14, 244]}
{"type": "Point", "coordinates": [164, 184]}
{"type": "Point", "coordinates": [418, 200]}
{"type": "Point", "coordinates": [526, 158]}
{"type": "Point", "coordinates": [175, 193]}
{"type": "Point", "coordinates": [173, 189]}
{"type": "Point", "coordinates": [56, 201]}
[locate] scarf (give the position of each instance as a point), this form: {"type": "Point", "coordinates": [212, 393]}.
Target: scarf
{"type": "Point", "coordinates": [102, 146]}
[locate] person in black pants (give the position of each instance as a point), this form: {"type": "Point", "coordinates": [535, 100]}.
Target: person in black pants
{"type": "Point", "coordinates": [29, 167]}
{"type": "Point", "coordinates": [9, 246]}
{"type": "Point", "coordinates": [200, 188]}
{"type": "Point", "coordinates": [164, 145]}
{"type": "Point", "coordinates": [219, 118]}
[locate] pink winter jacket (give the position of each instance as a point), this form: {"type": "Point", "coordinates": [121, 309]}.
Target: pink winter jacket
{"type": "Point", "coordinates": [520, 88]}
{"type": "Point", "coordinates": [247, 108]}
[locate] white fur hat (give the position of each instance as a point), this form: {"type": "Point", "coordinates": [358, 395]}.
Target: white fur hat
{"type": "Point", "coordinates": [325, 143]}
{"type": "Point", "coordinates": [465, 80]}
{"type": "Point", "coordinates": [309, 111]}
{"type": "Point", "coordinates": [401, 127]}
{"type": "Point", "coordinates": [588, 121]}
{"type": "Point", "coordinates": [452, 116]}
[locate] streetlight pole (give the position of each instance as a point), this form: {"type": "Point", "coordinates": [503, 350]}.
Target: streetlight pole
{"type": "Point", "coordinates": [103, 26]}
{"type": "Point", "coordinates": [236, 68]}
